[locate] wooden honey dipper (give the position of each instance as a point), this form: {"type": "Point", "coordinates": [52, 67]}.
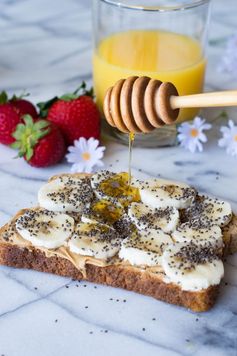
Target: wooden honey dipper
{"type": "Point", "coordinates": [142, 104]}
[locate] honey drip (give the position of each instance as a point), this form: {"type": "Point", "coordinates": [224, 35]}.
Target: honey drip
{"type": "Point", "coordinates": [106, 212]}
{"type": "Point", "coordinates": [130, 146]}
{"type": "Point", "coordinates": [117, 187]}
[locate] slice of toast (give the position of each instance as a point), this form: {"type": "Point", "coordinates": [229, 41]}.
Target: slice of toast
{"type": "Point", "coordinates": [148, 281]}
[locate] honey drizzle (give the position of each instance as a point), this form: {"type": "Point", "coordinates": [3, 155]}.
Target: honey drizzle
{"type": "Point", "coordinates": [131, 138]}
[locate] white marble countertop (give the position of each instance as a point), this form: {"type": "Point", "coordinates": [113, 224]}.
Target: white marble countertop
{"type": "Point", "coordinates": [46, 48]}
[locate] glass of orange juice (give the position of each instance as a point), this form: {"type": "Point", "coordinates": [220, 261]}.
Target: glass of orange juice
{"type": "Point", "coordinates": [160, 39]}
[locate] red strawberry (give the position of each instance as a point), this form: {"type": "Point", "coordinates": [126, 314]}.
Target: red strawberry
{"type": "Point", "coordinates": [75, 114]}
{"type": "Point", "coordinates": [40, 143]}
{"type": "Point", "coordinates": [11, 112]}
{"type": "Point", "coordinates": [24, 107]}
{"type": "Point", "coordinates": [9, 118]}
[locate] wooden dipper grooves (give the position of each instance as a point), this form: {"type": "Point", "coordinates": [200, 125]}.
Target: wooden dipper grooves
{"type": "Point", "coordinates": [142, 104]}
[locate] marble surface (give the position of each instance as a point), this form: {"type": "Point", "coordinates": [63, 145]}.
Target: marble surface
{"type": "Point", "coordinates": [46, 48]}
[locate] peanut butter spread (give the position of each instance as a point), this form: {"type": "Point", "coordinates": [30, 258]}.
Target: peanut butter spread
{"type": "Point", "coordinates": [155, 226]}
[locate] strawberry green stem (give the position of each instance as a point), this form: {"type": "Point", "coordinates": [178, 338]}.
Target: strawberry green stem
{"type": "Point", "coordinates": [28, 134]}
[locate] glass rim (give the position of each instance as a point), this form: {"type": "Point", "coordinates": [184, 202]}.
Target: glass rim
{"type": "Point", "coordinates": [165, 8]}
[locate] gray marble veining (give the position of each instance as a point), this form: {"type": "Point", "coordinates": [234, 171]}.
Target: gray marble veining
{"type": "Point", "coordinates": [46, 49]}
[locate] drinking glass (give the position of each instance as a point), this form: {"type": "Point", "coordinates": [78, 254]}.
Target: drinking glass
{"type": "Point", "coordinates": [161, 39]}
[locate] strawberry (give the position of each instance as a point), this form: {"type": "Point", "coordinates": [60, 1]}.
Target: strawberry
{"type": "Point", "coordinates": [76, 114]}
{"type": "Point", "coordinates": [24, 106]}
{"type": "Point", "coordinates": [9, 118]}
{"type": "Point", "coordinates": [40, 142]}
{"type": "Point", "coordinates": [11, 112]}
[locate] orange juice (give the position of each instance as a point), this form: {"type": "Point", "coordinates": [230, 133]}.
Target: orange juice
{"type": "Point", "coordinates": [157, 54]}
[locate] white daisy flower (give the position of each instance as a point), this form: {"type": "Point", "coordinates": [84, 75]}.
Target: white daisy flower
{"type": "Point", "coordinates": [229, 138]}
{"type": "Point", "coordinates": [191, 136]}
{"type": "Point", "coordinates": [228, 62]}
{"type": "Point", "coordinates": [85, 155]}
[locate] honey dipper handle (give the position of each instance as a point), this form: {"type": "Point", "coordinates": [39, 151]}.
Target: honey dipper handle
{"type": "Point", "coordinates": [205, 100]}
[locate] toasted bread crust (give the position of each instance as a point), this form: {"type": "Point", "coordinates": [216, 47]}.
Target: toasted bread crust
{"type": "Point", "coordinates": [125, 277]}
{"type": "Point", "coordinates": [230, 236]}
{"type": "Point", "coordinates": [121, 276]}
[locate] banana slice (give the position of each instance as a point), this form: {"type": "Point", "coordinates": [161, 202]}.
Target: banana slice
{"type": "Point", "coordinates": [138, 183]}
{"type": "Point", "coordinates": [186, 232]}
{"type": "Point", "coordinates": [209, 211]}
{"type": "Point", "coordinates": [100, 177]}
{"type": "Point", "coordinates": [45, 228]}
{"type": "Point", "coordinates": [88, 219]}
{"type": "Point", "coordinates": [191, 266]}
{"type": "Point", "coordinates": [97, 240]}
{"type": "Point", "coordinates": [66, 194]}
{"type": "Point", "coordinates": [161, 193]}
{"type": "Point", "coordinates": [102, 211]}
{"type": "Point", "coordinates": [114, 187]}
{"type": "Point", "coordinates": [144, 217]}
{"type": "Point", "coordinates": [144, 248]}
{"type": "Point", "coordinates": [124, 227]}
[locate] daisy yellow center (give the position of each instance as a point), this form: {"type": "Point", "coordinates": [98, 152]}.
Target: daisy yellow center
{"type": "Point", "coordinates": [193, 132]}
{"type": "Point", "coordinates": [235, 137]}
{"type": "Point", "coordinates": [86, 156]}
